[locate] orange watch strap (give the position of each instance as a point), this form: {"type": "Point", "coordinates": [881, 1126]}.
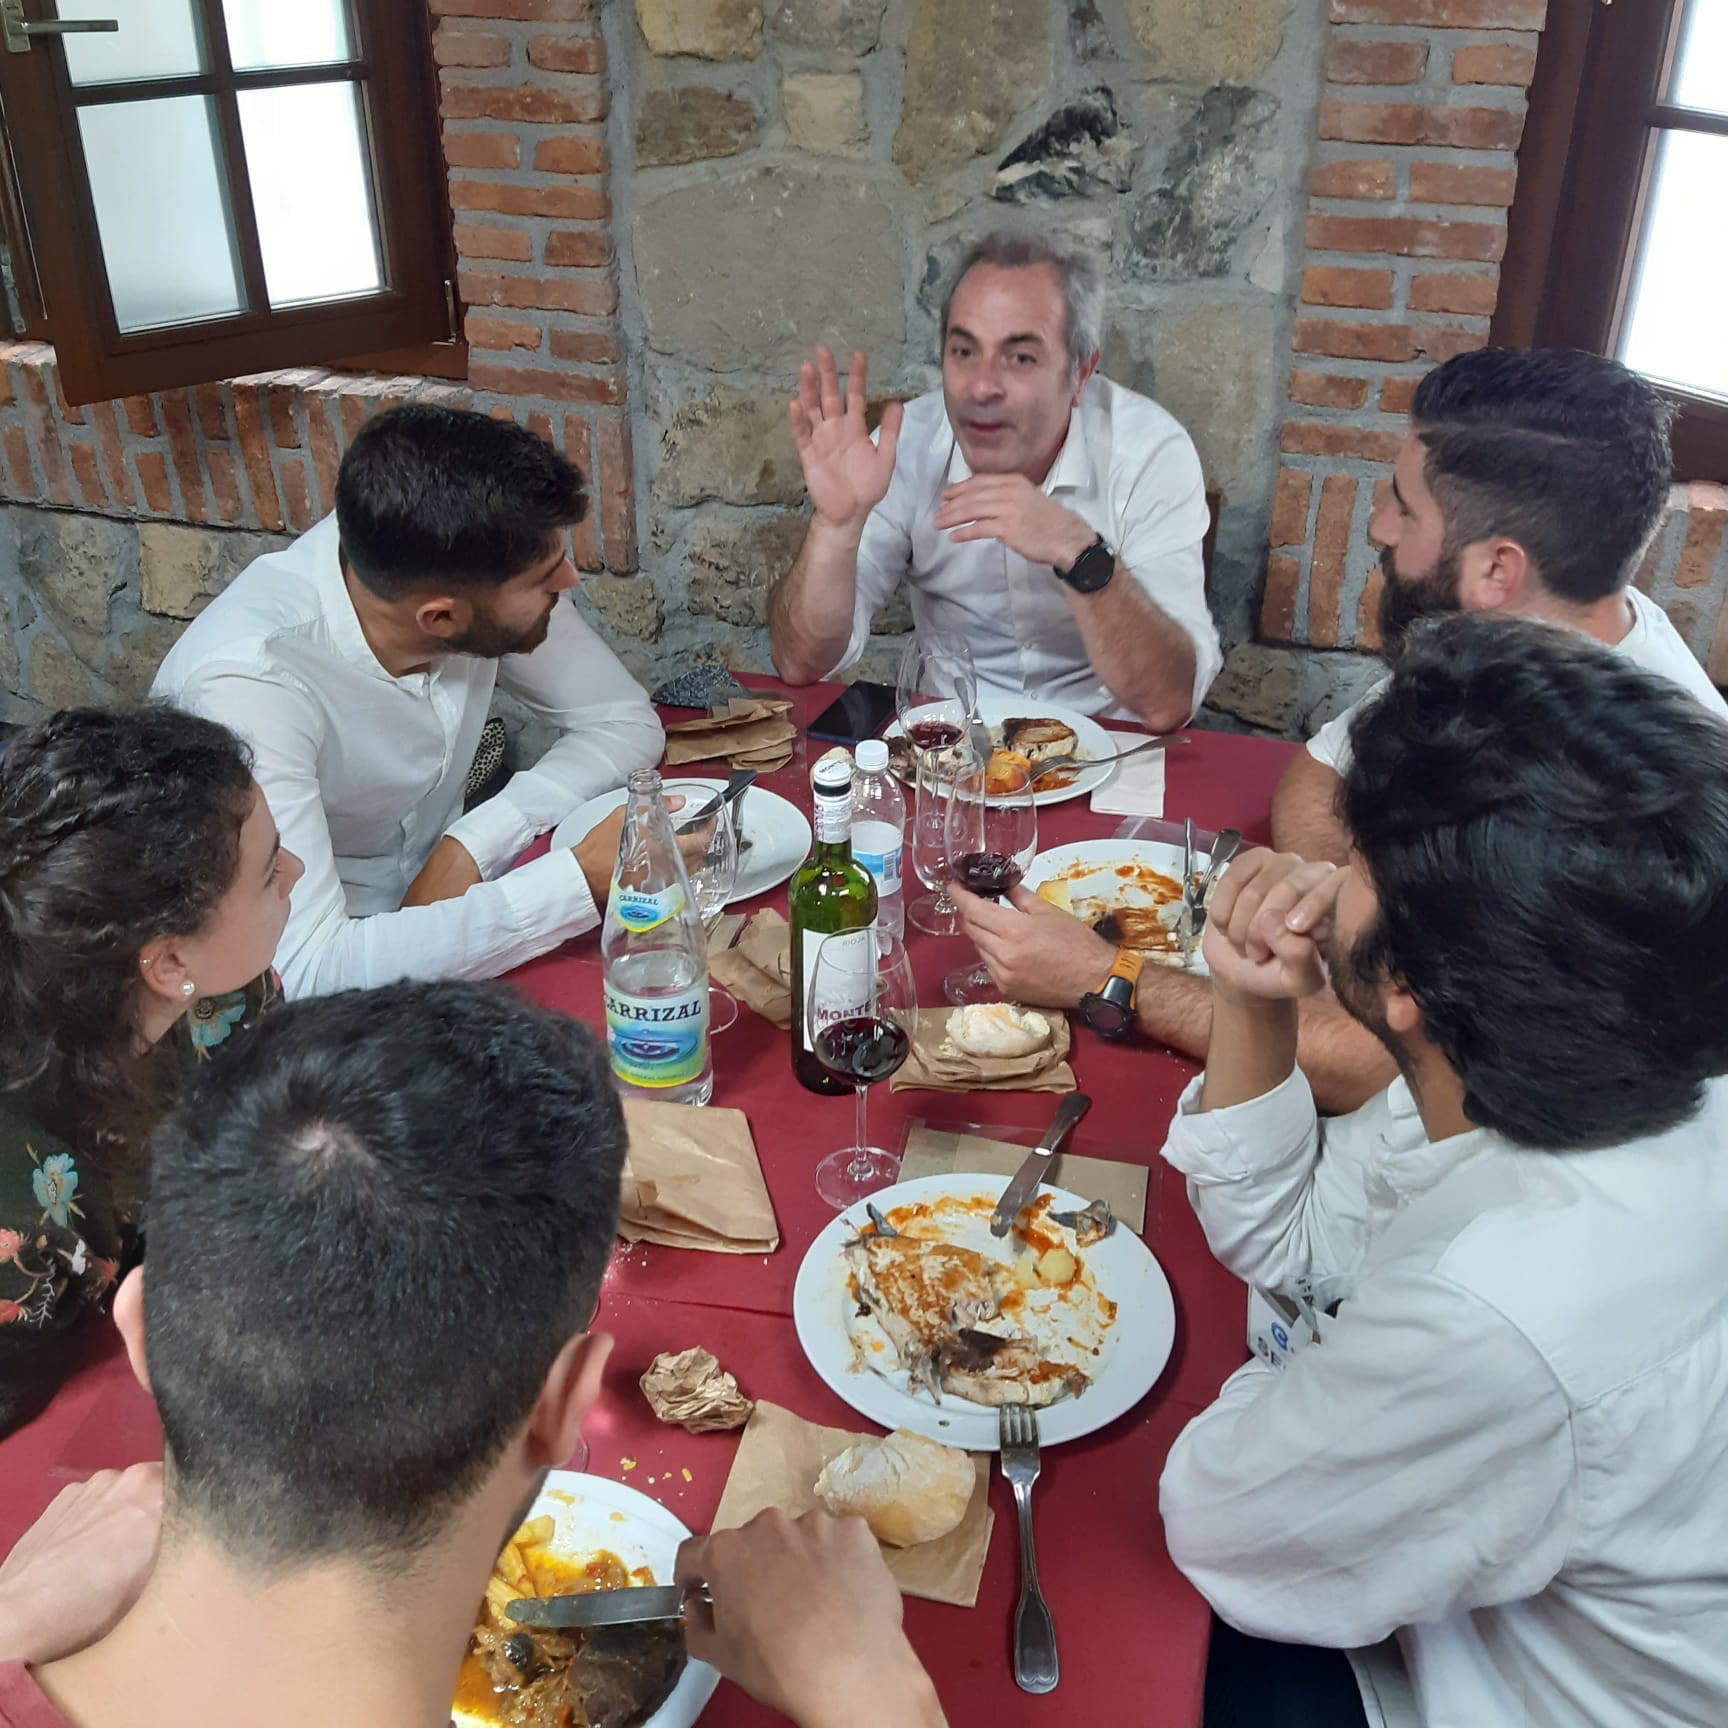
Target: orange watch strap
{"type": "Point", "coordinates": [1126, 966]}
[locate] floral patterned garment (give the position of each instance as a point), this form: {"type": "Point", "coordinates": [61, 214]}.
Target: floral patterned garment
{"type": "Point", "coordinates": [65, 1236]}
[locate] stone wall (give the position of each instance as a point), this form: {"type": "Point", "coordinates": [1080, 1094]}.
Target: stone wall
{"type": "Point", "coordinates": [807, 171]}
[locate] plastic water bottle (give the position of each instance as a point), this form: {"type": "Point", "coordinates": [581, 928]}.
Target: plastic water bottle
{"type": "Point", "coordinates": [879, 831]}
{"type": "Point", "coordinates": [655, 960]}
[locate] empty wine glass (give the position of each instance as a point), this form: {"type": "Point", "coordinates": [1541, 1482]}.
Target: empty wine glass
{"type": "Point", "coordinates": [992, 838]}
{"type": "Point", "coordinates": [938, 772]}
{"type": "Point", "coordinates": [937, 691]}
{"type": "Point", "coordinates": [709, 843]}
{"type": "Point", "coordinates": [860, 1010]}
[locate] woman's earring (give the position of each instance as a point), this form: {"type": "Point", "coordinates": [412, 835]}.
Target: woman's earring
{"type": "Point", "coordinates": [188, 988]}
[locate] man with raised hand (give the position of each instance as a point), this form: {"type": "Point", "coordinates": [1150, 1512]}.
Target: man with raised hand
{"type": "Point", "coordinates": [377, 1236]}
{"type": "Point", "coordinates": [360, 664]}
{"type": "Point", "coordinates": [1506, 1448]}
{"type": "Point", "coordinates": [1528, 485]}
{"type": "Point", "coordinates": [1051, 517]}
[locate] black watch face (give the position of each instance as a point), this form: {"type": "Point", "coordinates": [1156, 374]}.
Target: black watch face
{"type": "Point", "coordinates": [1109, 1019]}
{"type": "Point", "coordinates": [1092, 569]}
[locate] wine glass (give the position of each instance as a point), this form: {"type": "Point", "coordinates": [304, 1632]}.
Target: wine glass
{"type": "Point", "coordinates": [708, 841]}
{"type": "Point", "coordinates": [992, 835]}
{"type": "Point", "coordinates": [860, 1010]}
{"type": "Point", "coordinates": [938, 772]}
{"type": "Point", "coordinates": [937, 691]}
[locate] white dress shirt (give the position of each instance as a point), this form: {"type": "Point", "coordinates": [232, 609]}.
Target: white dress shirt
{"type": "Point", "coordinates": [365, 773]}
{"type": "Point", "coordinates": [1652, 643]}
{"type": "Point", "coordinates": [1126, 468]}
{"type": "Point", "coordinates": [1511, 1447]}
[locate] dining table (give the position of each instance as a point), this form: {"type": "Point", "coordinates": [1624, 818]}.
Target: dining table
{"type": "Point", "coordinates": [1131, 1632]}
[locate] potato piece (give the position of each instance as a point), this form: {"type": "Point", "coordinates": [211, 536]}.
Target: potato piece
{"type": "Point", "coordinates": [1002, 771]}
{"type": "Point", "coordinates": [1056, 1266]}
{"type": "Point", "coordinates": [536, 1533]}
{"type": "Point", "coordinates": [514, 1569]}
{"type": "Point", "coordinates": [1026, 1273]}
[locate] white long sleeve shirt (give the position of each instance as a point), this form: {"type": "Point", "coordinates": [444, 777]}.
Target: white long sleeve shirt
{"type": "Point", "coordinates": [1510, 1449]}
{"type": "Point", "coordinates": [1126, 468]}
{"type": "Point", "coordinates": [365, 773]}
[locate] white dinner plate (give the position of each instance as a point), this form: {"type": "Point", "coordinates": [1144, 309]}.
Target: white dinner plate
{"type": "Point", "coordinates": [1135, 1348]}
{"type": "Point", "coordinates": [1093, 739]}
{"type": "Point", "coordinates": [779, 835]}
{"type": "Point", "coordinates": [591, 1513]}
{"type": "Point", "coordinates": [1090, 868]}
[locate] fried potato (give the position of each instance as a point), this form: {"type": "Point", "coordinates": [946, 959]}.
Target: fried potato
{"type": "Point", "coordinates": [536, 1533]}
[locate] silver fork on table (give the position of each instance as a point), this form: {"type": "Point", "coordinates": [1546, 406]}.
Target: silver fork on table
{"type": "Point", "coordinates": [1035, 1668]}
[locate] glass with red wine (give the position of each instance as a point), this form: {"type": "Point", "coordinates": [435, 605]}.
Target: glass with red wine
{"type": "Point", "coordinates": [861, 1007]}
{"type": "Point", "coordinates": [935, 699]}
{"type": "Point", "coordinates": [992, 840]}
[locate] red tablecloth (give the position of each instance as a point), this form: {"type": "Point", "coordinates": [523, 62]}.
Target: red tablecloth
{"type": "Point", "coordinates": [1131, 1633]}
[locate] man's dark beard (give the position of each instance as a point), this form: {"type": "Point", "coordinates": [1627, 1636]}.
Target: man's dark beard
{"type": "Point", "coordinates": [1348, 965]}
{"type": "Point", "coordinates": [1406, 601]}
{"type": "Point", "coordinates": [487, 640]}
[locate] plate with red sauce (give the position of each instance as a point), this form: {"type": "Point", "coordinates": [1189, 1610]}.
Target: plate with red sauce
{"type": "Point", "coordinates": [1111, 1315]}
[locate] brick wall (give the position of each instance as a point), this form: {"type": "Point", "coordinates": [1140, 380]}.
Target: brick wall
{"type": "Point", "coordinates": [524, 101]}
{"type": "Point", "coordinates": [1414, 168]}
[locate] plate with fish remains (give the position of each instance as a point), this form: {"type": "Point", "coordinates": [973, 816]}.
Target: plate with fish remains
{"type": "Point", "coordinates": [602, 1535]}
{"type": "Point", "coordinates": [1005, 716]}
{"type": "Point", "coordinates": [933, 1336]}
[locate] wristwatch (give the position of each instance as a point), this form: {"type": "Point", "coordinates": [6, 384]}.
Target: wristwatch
{"type": "Point", "coordinates": [1092, 570]}
{"type": "Point", "coordinates": [1109, 1010]}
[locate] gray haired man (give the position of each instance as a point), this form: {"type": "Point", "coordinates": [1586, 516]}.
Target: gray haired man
{"type": "Point", "coordinates": [1050, 517]}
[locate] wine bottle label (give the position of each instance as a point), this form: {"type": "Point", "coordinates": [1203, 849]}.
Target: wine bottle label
{"type": "Point", "coordinates": [833, 812]}
{"type": "Point", "coordinates": [639, 910]}
{"type": "Point", "coordinates": [657, 1041]}
{"type": "Point", "coordinates": [845, 996]}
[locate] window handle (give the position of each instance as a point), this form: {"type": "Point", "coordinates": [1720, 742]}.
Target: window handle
{"type": "Point", "coordinates": [18, 30]}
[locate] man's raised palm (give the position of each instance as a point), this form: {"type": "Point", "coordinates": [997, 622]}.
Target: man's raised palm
{"type": "Point", "coordinates": [845, 473]}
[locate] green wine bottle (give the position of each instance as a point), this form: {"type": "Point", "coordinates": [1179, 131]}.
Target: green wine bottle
{"type": "Point", "coordinates": [830, 893]}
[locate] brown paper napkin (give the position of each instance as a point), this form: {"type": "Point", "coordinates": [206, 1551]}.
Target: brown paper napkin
{"type": "Point", "coordinates": [777, 1464]}
{"type": "Point", "coordinates": [748, 732]}
{"type": "Point", "coordinates": [934, 1065]}
{"type": "Point", "coordinates": [758, 969]}
{"type": "Point", "coordinates": [692, 1180]}
{"type": "Point", "coordinates": [938, 1152]}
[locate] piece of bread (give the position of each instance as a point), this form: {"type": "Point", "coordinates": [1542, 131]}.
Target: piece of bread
{"type": "Point", "coordinates": [997, 1029]}
{"type": "Point", "coordinates": [906, 1488]}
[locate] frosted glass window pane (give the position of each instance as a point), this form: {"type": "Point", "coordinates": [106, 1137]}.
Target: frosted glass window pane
{"type": "Point", "coordinates": [287, 32]}
{"type": "Point", "coordinates": [1674, 327]}
{"type": "Point", "coordinates": [1701, 71]}
{"type": "Point", "coordinates": [312, 192]}
{"type": "Point", "coordinates": [156, 39]}
{"type": "Point", "coordinates": [162, 210]}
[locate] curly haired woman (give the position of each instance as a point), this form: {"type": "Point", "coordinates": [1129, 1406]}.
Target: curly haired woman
{"type": "Point", "coordinates": [142, 892]}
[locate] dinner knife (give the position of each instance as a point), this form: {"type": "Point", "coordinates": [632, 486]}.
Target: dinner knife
{"type": "Point", "coordinates": [605, 1607]}
{"type": "Point", "coordinates": [1031, 1173]}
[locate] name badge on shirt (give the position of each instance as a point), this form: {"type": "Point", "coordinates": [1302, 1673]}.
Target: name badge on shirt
{"type": "Point", "coordinates": [1277, 1328]}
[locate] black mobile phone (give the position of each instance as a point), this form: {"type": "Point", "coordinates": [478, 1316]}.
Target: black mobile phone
{"type": "Point", "coordinates": [860, 711]}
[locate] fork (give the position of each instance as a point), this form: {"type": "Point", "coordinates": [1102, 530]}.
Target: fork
{"type": "Point", "coordinates": [1051, 763]}
{"type": "Point", "coordinates": [1035, 1668]}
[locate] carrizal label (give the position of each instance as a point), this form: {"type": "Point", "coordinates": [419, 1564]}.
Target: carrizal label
{"type": "Point", "coordinates": [639, 911]}
{"type": "Point", "coordinates": [657, 1041]}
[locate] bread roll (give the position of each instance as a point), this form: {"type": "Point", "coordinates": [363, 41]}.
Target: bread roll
{"type": "Point", "coordinates": [997, 1029]}
{"type": "Point", "coordinates": [906, 1488]}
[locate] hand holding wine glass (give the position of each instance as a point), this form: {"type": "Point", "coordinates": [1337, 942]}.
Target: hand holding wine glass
{"type": "Point", "coordinates": [860, 1011]}
{"type": "Point", "coordinates": [992, 835]}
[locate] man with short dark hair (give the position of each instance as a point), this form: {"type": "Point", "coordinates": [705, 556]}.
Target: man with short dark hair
{"type": "Point", "coordinates": [376, 1244]}
{"type": "Point", "coordinates": [1050, 517]}
{"type": "Point", "coordinates": [1528, 485]}
{"type": "Point", "coordinates": [1507, 1448]}
{"type": "Point", "coordinates": [360, 664]}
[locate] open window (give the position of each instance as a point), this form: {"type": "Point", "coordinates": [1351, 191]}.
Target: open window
{"type": "Point", "coordinates": [218, 187]}
{"type": "Point", "coordinates": [1617, 242]}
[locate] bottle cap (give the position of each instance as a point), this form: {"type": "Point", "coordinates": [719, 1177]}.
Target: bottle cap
{"type": "Point", "coordinates": [872, 755]}
{"type": "Point", "coordinates": [833, 772]}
